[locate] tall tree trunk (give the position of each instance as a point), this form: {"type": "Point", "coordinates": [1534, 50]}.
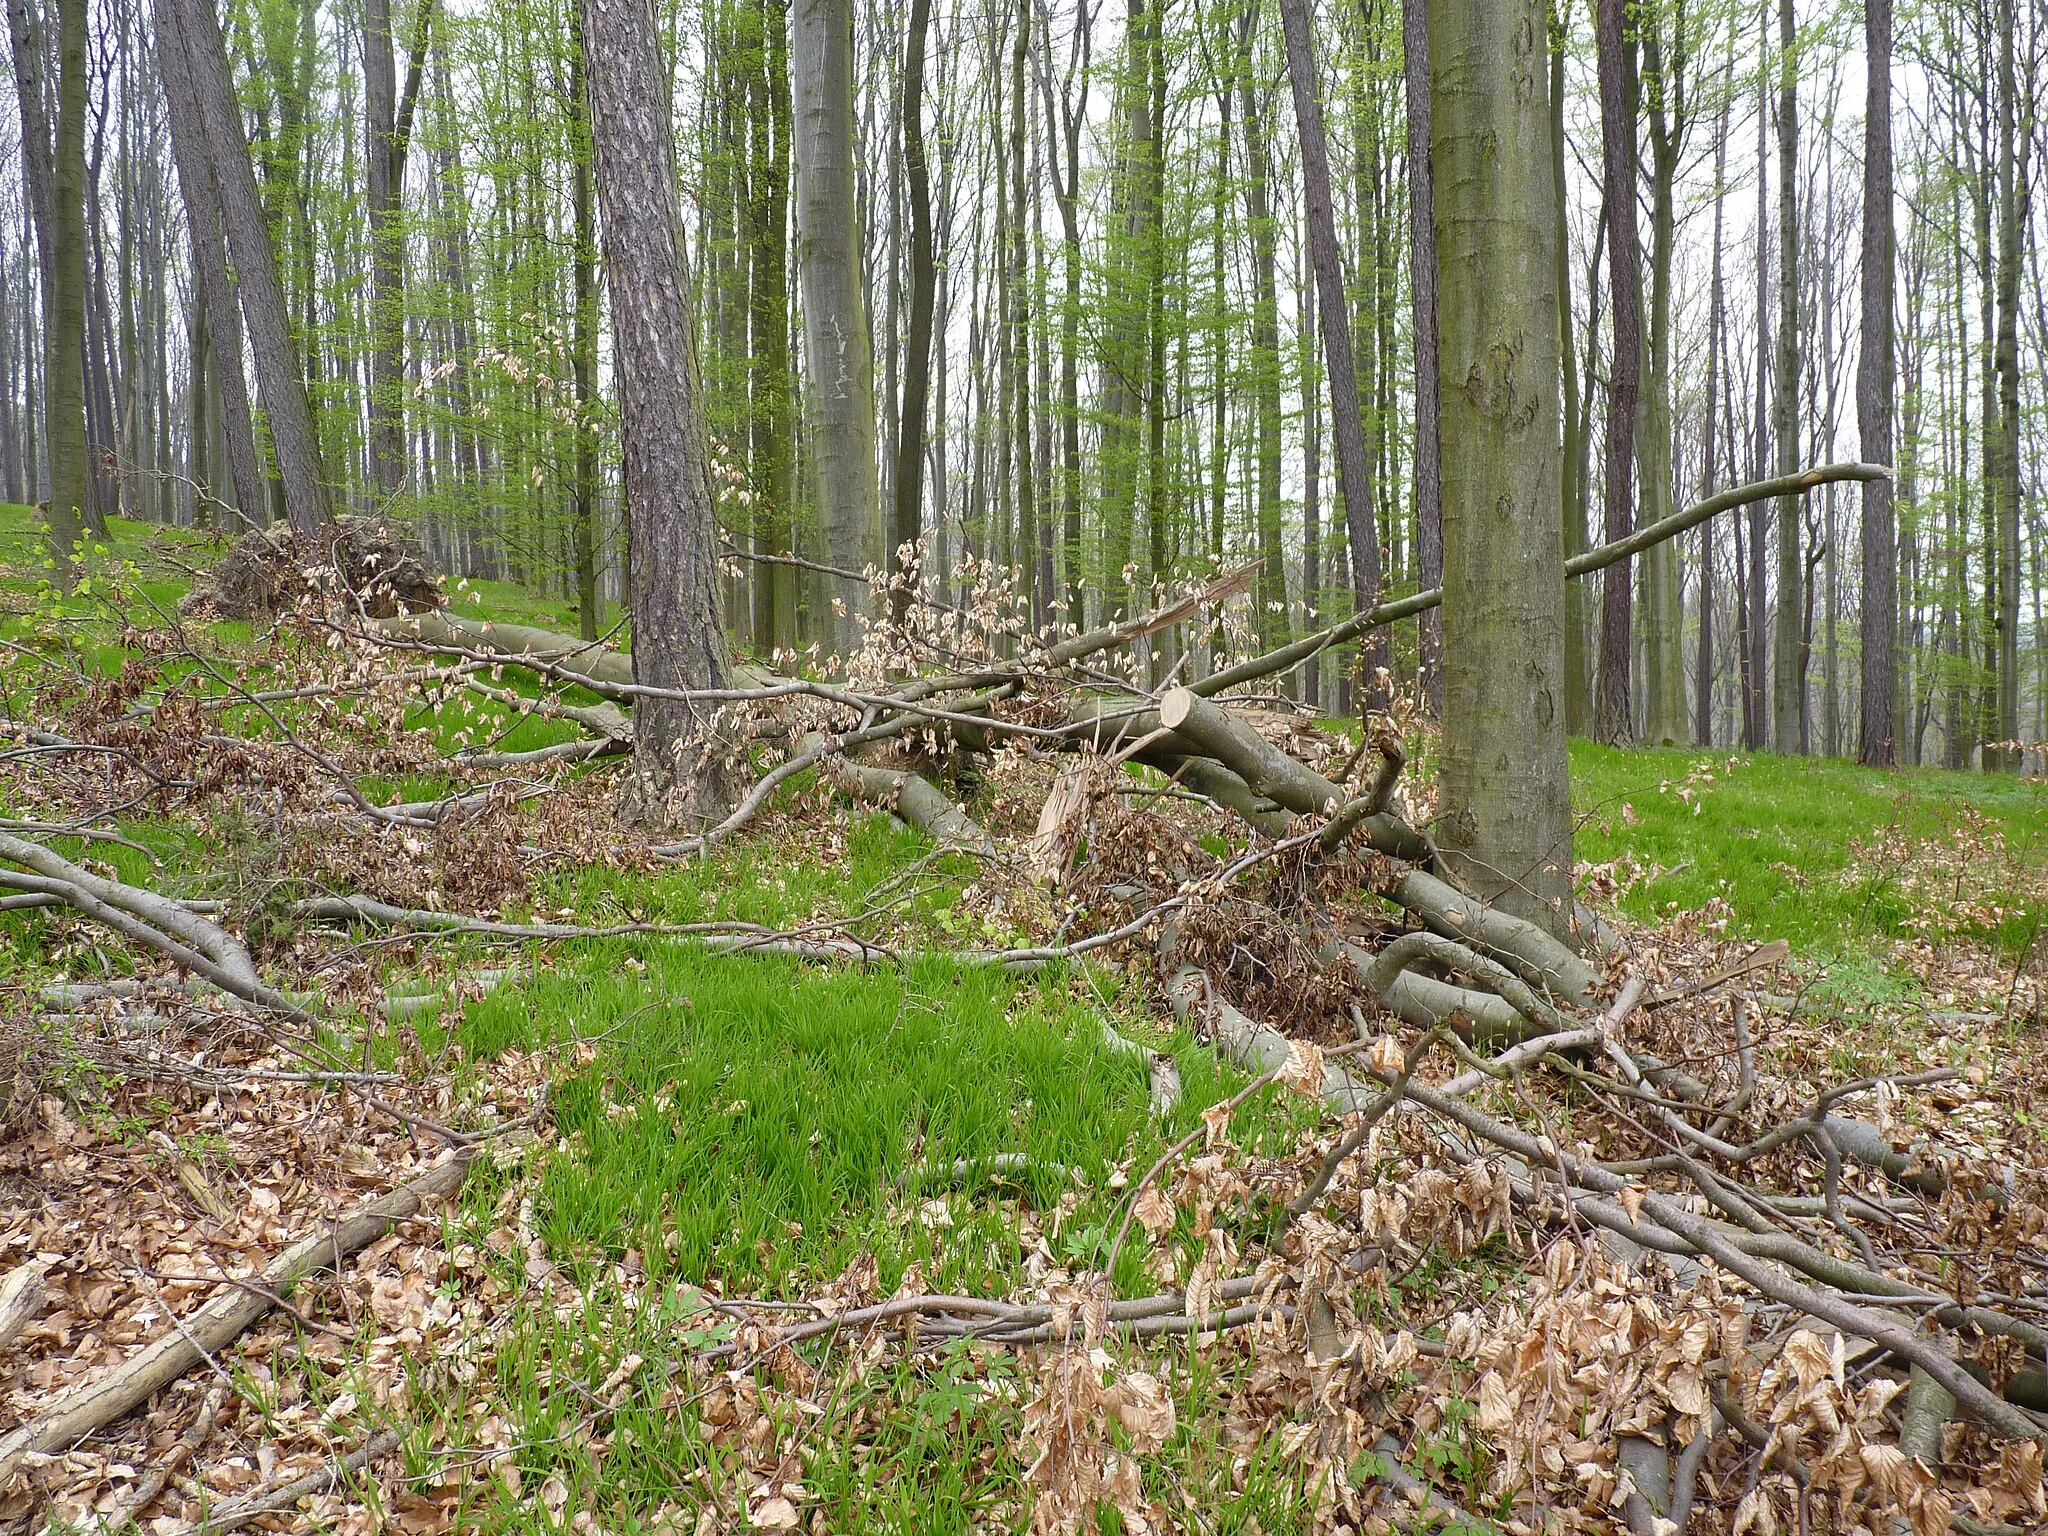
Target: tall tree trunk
{"type": "Point", "coordinates": [1756, 709]}
{"type": "Point", "coordinates": [2015, 144]}
{"type": "Point", "coordinates": [1663, 610]}
{"type": "Point", "coordinates": [1334, 312]}
{"type": "Point", "coordinates": [279, 381]}
{"type": "Point", "coordinates": [923, 287]}
{"type": "Point", "coordinates": [216, 293]}
{"type": "Point", "coordinates": [839, 385]}
{"type": "Point", "coordinates": [1877, 623]}
{"type": "Point", "coordinates": [1703, 675]}
{"type": "Point", "coordinates": [1265, 356]}
{"type": "Point", "coordinates": [1505, 792]}
{"type": "Point", "coordinates": [388, 121]}
{"type": "Point", "coordinates": [10, 430]}
{"type": "Point", "coordinates": [1624, 255]}
{"type": "Point", "coordinates": [1422, 288]}
{"type": "Point", "coordinates": [64, 337]}
{"type": "Point", "coordinates": [1787, 671]}
{"type": "Point", "coordinates": [679, 772]}
{"type": "Point", "coordinates": [1578, 704]}
{"type": "Point", "coordinates": [583, 362]}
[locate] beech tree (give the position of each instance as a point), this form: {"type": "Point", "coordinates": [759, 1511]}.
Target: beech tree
{"type": "Point", "coordinates": [1504, 817]}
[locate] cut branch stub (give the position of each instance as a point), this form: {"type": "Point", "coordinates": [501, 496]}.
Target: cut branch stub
{"type": "Point", "coordinates": [1214, 732]}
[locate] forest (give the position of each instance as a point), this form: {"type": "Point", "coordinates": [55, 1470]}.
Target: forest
{"type": "Point", "coordinates": [1023, 766]}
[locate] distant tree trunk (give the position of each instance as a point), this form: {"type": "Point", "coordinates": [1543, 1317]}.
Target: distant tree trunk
{"type": "Point", "coordinates": [1505, 795]}
{"type": "Point", "coordinates": [583, 361]}
{"type": "Point", "coordinates": [30, 93]}
{"type": "Point", "coordinates": [293, 440]}
{"type": "Point", "coordinates": [679, 774]}
{"type": "Point", "coordinates": [2014, 166]}
{"type": "Point", "coordinates": [10, 429]}
{"type": "Point", "coordinates": [216, 294]}
{"type": "Point", "coordinates": [1429, 473]}
{"type": "Point", "coordinates": [917, 365]}
{"type": "Point", "coordinates": [1756, 712]}
{"type": "Point", "coordinates": [1703, 676]}
{"type": "Point", "coordinates": [1066, 132]}
{"type": "Point", "coordinates": [64, 427]}
{"type": "Point", "coordinates": [1624, 256]}
{"type": "Point", "coordinates": [839, 385]}
{"type": "Point", "coordinates": [1578, 705]}
{"type": "Point", "coordinates": [1265, 355]}
{"type": "Point", "coordinates": [1668, 59]}
{"type": "Point", "coordinates": [1877, 625]}
{"type": "Point", "coordinates": [1787, 672]}
{"type": "Point", "coordinates": [388, 140]}
{"type": "Point", "coordinates": [1311, 493]}
{"type": "Point", "coordinates": [1353, 473]}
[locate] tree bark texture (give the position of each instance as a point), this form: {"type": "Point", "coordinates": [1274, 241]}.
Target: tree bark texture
{"type": "Point", "coordinates": [1505, 821]}
{"type": "Point", "coordinates": [1429, 472]}
{"type": "Point", "coordinates": [216, 293]}
{"type": "Point", "coordinates": [679, 777]}
{"type": "Point", "coordinates": [839, 385]}
{"type": "Point", "coordinates": [917, 364]}
{"type": "Point", "coordinates": [1334, 312]}
{"type": "Point", "coordinates": [1612, 711]}
{"type": "Point", "coordinates": [1877, 743]}
{"type": "Point", "coordinates": [1788, 683]}
{"type": "Point", "coordinates": [64, 430]}
{"type": "Point", "coordinates": [293, 441]}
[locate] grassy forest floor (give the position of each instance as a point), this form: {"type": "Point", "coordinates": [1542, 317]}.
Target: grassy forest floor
{"type": "Point", "coordinates": [722, 1127]}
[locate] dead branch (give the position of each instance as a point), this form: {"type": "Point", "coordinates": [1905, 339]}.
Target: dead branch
{"type": "Point", "coordinates": [21, 1299]}
{"type": "Point", "coordinates": [1287, 657]}
{"type": "Point", "coordinates": [239, 1512]}
{"type": "Point", "coordinates": [217, 1324]}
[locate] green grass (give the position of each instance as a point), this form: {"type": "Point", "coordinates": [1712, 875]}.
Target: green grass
{"type": "Point", "coordinates": [1778, 840]}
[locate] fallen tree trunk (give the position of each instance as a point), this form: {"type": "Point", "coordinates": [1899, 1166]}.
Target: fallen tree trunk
{"type": "Point", "coordinates": [1515, 942]}
{"type": "Point", "coordinates": [217, 1324]}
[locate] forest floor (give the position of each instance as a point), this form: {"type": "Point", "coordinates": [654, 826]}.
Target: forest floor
{"type": "Point", "coordinates": [720, 1128]}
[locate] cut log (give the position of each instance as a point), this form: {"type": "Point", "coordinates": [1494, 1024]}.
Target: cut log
{"type": "Point", "coordinates": [21, 1299]}
{"type": "Point", "coordinates": [217, 1324]}
{"type": "Point", "coordinates": [1517, 943]}
{"type": "Point", "coordinates": [1213, 732]}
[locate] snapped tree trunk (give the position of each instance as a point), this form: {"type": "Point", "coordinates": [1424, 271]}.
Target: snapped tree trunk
{"type": "Point", "coordinates": [1505, 817]}
{"type": "Point", "coordinates": [1353, 476]}
{"type": "Point", "coordinates": [1612, 701]}
{"type": "Point", "coordinates": [839, 385]}
{"type": "Point", "coordinates": [1877, 624]}
{"type": "Point", "coordinates": [679, 775]}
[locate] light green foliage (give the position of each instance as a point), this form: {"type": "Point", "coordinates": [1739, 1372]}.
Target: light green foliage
{"type": "Point", "coordinates": [1808, 850]}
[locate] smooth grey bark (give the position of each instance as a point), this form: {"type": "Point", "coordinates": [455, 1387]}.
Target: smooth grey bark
{"type": "Point", "coordinates": [1788, 679]}
{"type": "Point", "coordinates": [1668, 58]}
{"type": "Point", "coordinates": [1505, 794]}
{"type": "Point", "coordinates": [1717, 367]}
{"type": "Point", "coordinates": [679, 774]}
{"type": "Point", "coordinates": [1612, 694]}
{"type": "Point", "coordinates": [1577, 638]}
{"type": "Point", "coordinates": [64, 336]}
{"type": "Point", "coordinates": [279, 381]}
{"type": "Point", "coordinates": [1334, 315]}
{"type": "Point", "coordinates": [216, 295]}
{"type": "Point", "coordinates": [1878, 621]}
{"type": "Point", "coordinates": [1422, 290]}
{"type": "Point", "coordinates": [917, 363]}
{"type": "Point", "coordinates": [839, 384]}
{"type": "Point", "coordinates": [583, 360]}
{"type": "Point", "coordinates": [1265, 352]}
